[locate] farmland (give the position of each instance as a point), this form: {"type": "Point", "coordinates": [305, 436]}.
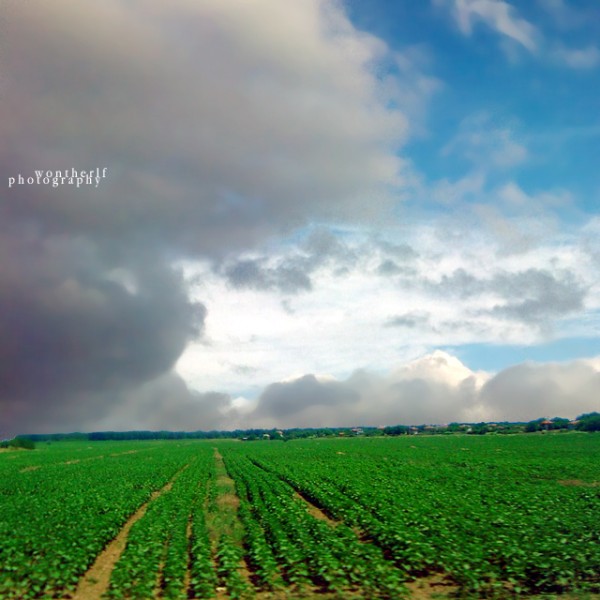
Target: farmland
{"type": "Point", "coordinates": [477, 516]}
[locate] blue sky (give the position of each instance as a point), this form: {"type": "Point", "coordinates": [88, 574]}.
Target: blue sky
{"type": "Point", "coordinates": [315, 213]}
{"type": "Point", "coordinates": [545, 95]}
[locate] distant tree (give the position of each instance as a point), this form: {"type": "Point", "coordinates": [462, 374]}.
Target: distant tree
{"type": "Point", "coordinates": [20, 442]}
{"type": "Point", "coordinates": [533, 426]}
{"type": "Point", "coordinates": [559, 423]}
{"type": "Point", "coordinates": [479, 429]}
{"type": "Point", "coordinates": [396, 430]}
{"type": "Point", "coordinates": [589, 422]}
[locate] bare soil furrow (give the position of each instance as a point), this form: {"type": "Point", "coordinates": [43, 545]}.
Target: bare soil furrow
{"type": "Point", "coordinates": [95, 581]}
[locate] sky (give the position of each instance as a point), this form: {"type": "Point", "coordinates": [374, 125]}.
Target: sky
{"type": "Point", "coordinates": [302, 214]}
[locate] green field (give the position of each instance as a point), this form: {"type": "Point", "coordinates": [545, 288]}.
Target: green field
{"type": "Point", "coordinates": [478, 516]}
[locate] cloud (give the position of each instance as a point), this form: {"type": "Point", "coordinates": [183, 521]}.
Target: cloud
{"type": "Point", "coordinates": [530, 390]}
{"type": "Point", "coordinates": [532, 296]}
{"type": "Point", "coordinates": [503, 18]}
{"type": "Point", "coordinates": [221, 124]}
{"type": "Point", "coordinates": [535, 296]}
{"type": "Point", "coordinates": [78, 326]}
{"type": "Point", "coordinates": [411, 87]}
{"type": "Point", "coordinates": [470, 187]}
{"type": "Point", "coordinates": [287, 399]}
{"type": "Point", "coordinates": [436, 388]}
{"type": "Point", "coordinates": [577, 58]}
{"type": "Point", "coordinates": [217, 129]}
{"type": "Point", "coordinates": [253, 274]}
{"type": "Point", "coordinates": [496, 14]}
{"type": "Point", "coordinates": [290, 273]}
{"type": "Point", "coordinates": [409, 320]}
{"type": "Point", "coordinates": [167, 403]}
{"type": "Point", "coordinates": [375, 301]}
{"type": "Point", "coordinates": [486, 144]}
{"type": "Point", "coordinates": [565, 16]}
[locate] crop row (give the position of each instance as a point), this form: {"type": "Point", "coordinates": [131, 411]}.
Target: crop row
{"type": "Point", "coordinates": [157, 555]}
{"type": "Point", "coordinates": [288, 545]}
{"type": "Point", "coordinates": [490, 530]}
{"type": "Point", "coordinates": [55, 520]}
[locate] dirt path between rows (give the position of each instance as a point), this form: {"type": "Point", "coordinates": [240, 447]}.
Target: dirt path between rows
{"type": "Point", "coordinates": [315, 511]}
{"type": "Point", "coordinates": [95, 581]}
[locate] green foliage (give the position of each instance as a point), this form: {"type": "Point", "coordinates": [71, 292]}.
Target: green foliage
{"type": "Point", "coordinates": [497, 516]}
{"type": "Point", "coordinates": [18, 442]}
{"type": "Point", "coordinates": [589, 422]}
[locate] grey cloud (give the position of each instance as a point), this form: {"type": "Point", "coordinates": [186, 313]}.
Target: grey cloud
{"type": "Point", "coordinates": [461, 284]}
{"type": "Point", "coordinates": [167, 403]}
{"type": "Point", "coordinates": [434, 389]}
{"type": "Point", "coordinates": [218, 130]}
{"type": "Point", "coordinates": [409, 320]}
{"type": "Point", "coordinates": [76, 328]}
{"type": "Point", "coordinates": [191, 104]}
{"type": "Point", "coordinates": [395, 258]}
{"type": "Point", "coordinates": [254, 275]}
{"type": "Point", "coordinates": [530, 390]}
{"type": "Point", "coordinates": [288, 400]}
{"type": "Point", "coordinates": [402, 252]}
{"type": "Point", "coordinates": [322, 245]}
{"type": "Point", "coordinates": [291, 274]}
{"type": "Point", "coordinates": [389, 268]}
{"type": "Point", "coordinates": [534, 296]}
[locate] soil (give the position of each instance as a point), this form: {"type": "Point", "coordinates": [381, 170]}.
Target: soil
{"type": "Point", "coordinates": [95, 581]}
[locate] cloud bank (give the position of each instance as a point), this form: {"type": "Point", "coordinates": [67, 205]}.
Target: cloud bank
{"type": "Point", "coordinates": [218, 130]}
{"type": "Point", "coordinates": [436, 388]}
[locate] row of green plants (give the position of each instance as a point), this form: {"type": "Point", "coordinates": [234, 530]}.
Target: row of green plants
{"type": "Point", "coordinates": [495, 517]}
{"type": "Point", "coordinates": [156, 559]}
{"type": "Point", "coordinates": [294, 548]}
{"type": "Point", "coordinates": [56, 518]}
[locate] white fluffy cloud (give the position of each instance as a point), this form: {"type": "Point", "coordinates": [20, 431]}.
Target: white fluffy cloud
{"type": "Point", "coordinates": [371, 303]}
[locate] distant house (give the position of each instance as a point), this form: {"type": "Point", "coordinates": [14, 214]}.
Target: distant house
{"type": "Point", "coordinates": [266, 436]}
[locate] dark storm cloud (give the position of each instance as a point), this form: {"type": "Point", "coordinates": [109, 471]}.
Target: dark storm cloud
{"type": "Point", "coordinates": [284, 400]}
{"type": "Point", "coordinates": [76, 325]}
{"type": "Point", "coordinates": [212, 141]}
{"type": "Point", "coordinates": [186, 102]}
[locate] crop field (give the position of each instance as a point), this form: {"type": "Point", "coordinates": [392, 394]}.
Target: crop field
{"type": "Point", "coordinates": [441, 516]}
